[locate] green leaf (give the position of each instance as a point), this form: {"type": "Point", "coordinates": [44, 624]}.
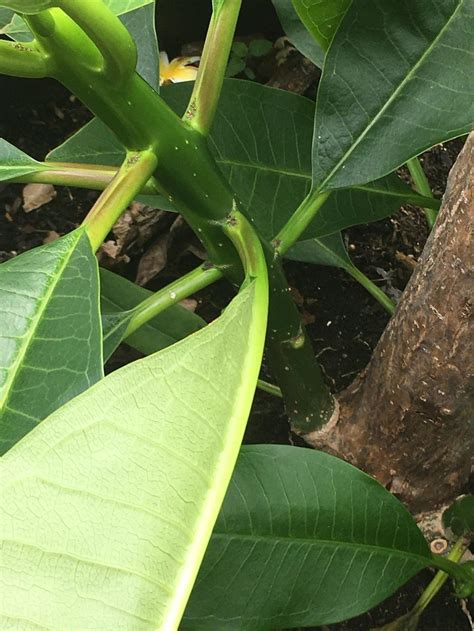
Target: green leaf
{"type": "Point", "coordinates": [395, 82]}
{"type": "Point", "coordinates": [140, 24]}
{"type": "Point", "coordinates": [6, 16]}
{"type": "Point", "coordinates": [240, 49]}
{"type": "Point", "coordinates": [327, 250]}
{"type": "Point", "coordinates": [119, 297]}
{"type": "Point", "coordinates": [260, 47]}
{"type": "Point", "coordinates": [465, 587]}
{"type": "Point", "coordinates": [28, 6]}
{"type": "Point", "coordinates": [108, 506]}
{"type": "Point", "coordinates": [302, 539]}
{"type": "Point", "coordinates": [15, 163]}
{"type": "Point", "coordinates": [297, 33]}
{"type": "Point", "coordinates": [261, 139]}
{"type": "Point", "coordinates": [459, 517]}
{"type": "Point", "coordinates": [321, 17]}
{"type": "Point", "coordinates": [50, 334]}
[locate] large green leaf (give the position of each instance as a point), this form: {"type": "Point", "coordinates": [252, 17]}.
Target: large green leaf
{"type": "Point", "coordinates": [262, 141]}
{"type": "Point", "coordinates": [396, 81]}
{"type": "Point", "coordinates": [50, 333]}
{"type": "Point", "coordinates": [140, 24]}
{"type": "Point", "coordinates": [15, 163]}
{"type": "Point", "coordinates": [119, 297]}
{"type": "Point", "coordinates": [302, 539]}
{"type": "Point", "coordinates": [321, 17]}
{"type": "Point", "coordinates": [107, 507]}
{"type": "Point", "coordinates": [297, 32]}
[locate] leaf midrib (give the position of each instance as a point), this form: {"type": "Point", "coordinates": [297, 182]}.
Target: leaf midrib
{"type": "Point", "coordinates": [321, 542]}
{"type": "Point", "coordinates": [4, 400]}
{"type": "Point", "coordinates": [406, 79]}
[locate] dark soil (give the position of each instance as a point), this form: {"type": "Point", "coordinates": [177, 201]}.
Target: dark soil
{"type": "Point", "coordinates": [343, 320]}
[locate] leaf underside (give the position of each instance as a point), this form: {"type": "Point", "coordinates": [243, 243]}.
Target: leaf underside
{"type": "Point", "coordinates": [108, 505]}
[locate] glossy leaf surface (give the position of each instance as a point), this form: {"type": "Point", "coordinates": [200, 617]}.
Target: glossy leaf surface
{"type": "Point", "coordinates": [396, 81]}
{"type": "Point", "coordinates": [321, 17]}
{"type": "Point", "coordinates": [297, 33]}
{"type": "Point", "coordinates": [261, 139]}
{"type": "Point", "coordinates": [50, 333]}
{"type": "Point", "coordinates": [302, 539]}
{"type": "Point", "coordinates": [108, 506]}
{"type": "Point", "coordinates": [119, 297]}
{"type": "Point", "coordinates": [15, 163]}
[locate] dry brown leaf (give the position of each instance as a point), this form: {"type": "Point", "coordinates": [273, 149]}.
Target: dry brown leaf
{"type": "Point", "coordinates": [37, 195]}
{"type": "Point", "coordinates": [52, 235]}
{"type": "Point", "coordinates": [189, 303]}
{"type": "Point", "coordinates": [153, 261]}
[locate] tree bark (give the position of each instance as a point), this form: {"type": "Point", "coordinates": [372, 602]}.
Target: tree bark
{"type": "Point", "coordinates": [408, 419]}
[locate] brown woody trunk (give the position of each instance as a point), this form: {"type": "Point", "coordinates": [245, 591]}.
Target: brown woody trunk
{"type": "Point", "coordinates": [408, 419]}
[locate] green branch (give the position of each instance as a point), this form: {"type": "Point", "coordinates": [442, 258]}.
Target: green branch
{"type": "Point", "coordinates": [129, 181]}
{"type": "Point", "coordinates": [170, 295]}
{"type": "Point", "coordinates": [372, 288]}
{"type": "Point", "coordinates": [207, 88]}
{"type": "Point", "coordinates": [423, 187]}
{"type": "Point", "coordinates": [22, 60]}
{"type": "Point", "coordinates": [107, 32]}
{"type": "Point", "coordinates": [95, 177]}
{"type": "Point", "coordinates": [300, 220]}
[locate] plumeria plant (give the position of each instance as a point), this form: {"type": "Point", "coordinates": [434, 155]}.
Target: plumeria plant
{"type": "Point", "coordinates": [127, 500]}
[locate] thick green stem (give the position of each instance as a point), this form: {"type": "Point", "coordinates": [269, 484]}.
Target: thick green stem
{"type": "Point", "coordinates": [189, 176]}
{"type": "Point", "coordinates": [207, 88]}
{"type": "Point", "coordinates": [372, 288]}
{"type": "Point", "coordinates": [423, 187]}
{"type": "Point", "coordinates": [109, 35]}
{"type": "Point", "coordinates": [172, 294]}
{"type": "Point", "coordinates": [22, 60]}
{"type": "Point", "coordinates": [122, 190]}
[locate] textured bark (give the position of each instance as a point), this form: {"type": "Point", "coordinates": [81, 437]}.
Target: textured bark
{"type": "Point", "coordinates": [408, 419]}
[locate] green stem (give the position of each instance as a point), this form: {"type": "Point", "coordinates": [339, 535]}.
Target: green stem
{"type": "Point", "coordinates": [423, 187]}
{"type": "Point", "coordinates": [372, 288]}
{"type": "Point", "coordinates": [191, 179]}
{"type": "Point", "coordinates": [207, 88]}
{"type": "Point", "coordinates": [22, 60]}
{"type": "Point", "coordinates": [454, 570]}
{"type": "Point", "coordinates": [90, 176]}
{"type": "Point", "coordinates": [440, 578]}
{"type": "Point", "coordinates": [270, 388]}
{"type": "Point", "coordinates": [107, 32]}
{"type": "Point", "coordinates": [172, 294]}
{"type": "Point", "coordinates": [300, 220]}
{"type": "Point", "coordinates": [132, 175]}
